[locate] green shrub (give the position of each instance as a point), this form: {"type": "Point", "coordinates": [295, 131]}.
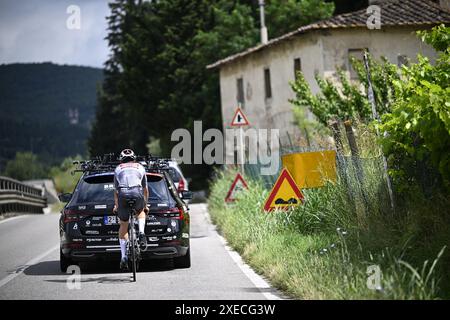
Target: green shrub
{"type": "Point", "coordinates": [62, 176]}
{"type": "Point", "coordinates": [25, 166]}
{"type": "Point", "coordinates": [417, 139]}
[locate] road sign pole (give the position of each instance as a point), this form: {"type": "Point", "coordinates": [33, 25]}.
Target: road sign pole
{"type": "Point", "coordinates": [240, 120]}
{"type": "Point", "coordinates": [241, 138]}
{"type": "Point", "coordinates": [241, 142]}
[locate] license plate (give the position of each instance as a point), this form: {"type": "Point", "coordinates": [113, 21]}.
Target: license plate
{"type": "Point", "coordinates": [110, 220]}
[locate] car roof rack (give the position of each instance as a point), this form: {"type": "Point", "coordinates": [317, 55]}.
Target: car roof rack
{"type": "Point", "coordinates": [108, 163]}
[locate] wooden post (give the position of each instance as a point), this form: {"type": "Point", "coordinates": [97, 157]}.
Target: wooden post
{"type": "Point", "coordinates": [290, 142]}
{"type": "Point", "coordinates": [308, 141]}
{"type": "Point", "coordinates": [356, 161]}
{"type": "Point", "coordinates": [341, 161]}
{"type": "Point", "coordinates": [334, 126]}
{"type": "Point", "coordinates": [351, 138]}
{"type": "Point", "coordinates": [354, 150]}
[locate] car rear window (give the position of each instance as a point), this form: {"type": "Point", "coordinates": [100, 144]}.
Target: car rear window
{"type": "Point", "coordinates": [157, 188]}
{"type": "Point", "coordinates": [95, 189]}
{"type": "Point", "coordinates": [175, 175]}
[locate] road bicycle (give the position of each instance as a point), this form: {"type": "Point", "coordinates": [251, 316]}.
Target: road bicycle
{"type": "Point", "coordinates": [133, 248]}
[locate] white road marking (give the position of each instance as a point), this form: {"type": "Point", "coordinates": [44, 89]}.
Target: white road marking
{"type": "Point", "coordinates": [20, 270]}
{"type": "Point", "coordinates": [255, 278]}
{"type": "Point", "coordinates": [13, 218]}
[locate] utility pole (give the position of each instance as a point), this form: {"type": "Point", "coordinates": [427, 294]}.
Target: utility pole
{"type": "Point", "coordinates": [264, 34]}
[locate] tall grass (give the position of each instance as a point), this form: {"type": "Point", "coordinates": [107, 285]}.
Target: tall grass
{"type": "Point", "coordinates": [322, 249]}
{"type": "Point", "coordinates": [62, 176]}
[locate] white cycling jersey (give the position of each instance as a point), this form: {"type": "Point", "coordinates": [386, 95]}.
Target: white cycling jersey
{"type": "Point", "coordinates": [129, 175]}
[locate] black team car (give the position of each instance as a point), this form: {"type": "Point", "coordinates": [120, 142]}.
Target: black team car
{"type": "Point", "coordinates": [89, 228]}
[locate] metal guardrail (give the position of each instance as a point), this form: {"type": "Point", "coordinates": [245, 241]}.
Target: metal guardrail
{"type": "Point", "coordinates": [18, 197]}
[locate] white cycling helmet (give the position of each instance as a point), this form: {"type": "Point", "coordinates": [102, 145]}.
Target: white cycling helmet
{"type": "Point", "coordinates": [127, 155]}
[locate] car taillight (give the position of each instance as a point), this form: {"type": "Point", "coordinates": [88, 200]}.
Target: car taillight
{"type": "Point", "coordinates": [72, 245]}
{"type": "Point", "coordinates": [175, 213]}
{"type": "Point", "coordinates": [71, 215]}
{"type": "Point", "coordinates": [181, 185]}
{"type": "Point", "coordinates": [173, 242]}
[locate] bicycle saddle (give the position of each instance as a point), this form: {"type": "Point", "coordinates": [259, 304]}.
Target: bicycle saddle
{"type": "Point", "coordinates": [131, 202]}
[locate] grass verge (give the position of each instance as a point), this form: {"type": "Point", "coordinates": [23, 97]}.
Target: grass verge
{"type": "Point", "coordinates": [332, 248]}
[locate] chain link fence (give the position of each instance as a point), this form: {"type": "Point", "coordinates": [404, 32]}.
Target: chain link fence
{"type": "Point", "coordinates": [362, 178]}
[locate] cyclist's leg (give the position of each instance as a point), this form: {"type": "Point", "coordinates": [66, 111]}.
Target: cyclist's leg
{"type": "Point", "coordinates": [139, 205]}
{"type": "Point", "coordinates": [124, 215]}
{"type": "Point", "coordinates": [142, 238]}
{"type": "Point", "coordinates": [123, 237]}
{"type": "Point", "coordinates": [141, 221]}
{"type": "Point", "coordinates": [140, 215]}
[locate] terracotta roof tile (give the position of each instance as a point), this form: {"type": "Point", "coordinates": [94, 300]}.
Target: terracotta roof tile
{"type": "Point", "coordinates": [395, 13]}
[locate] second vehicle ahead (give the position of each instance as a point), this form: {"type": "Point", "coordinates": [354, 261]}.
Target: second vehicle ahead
{"type": "Point", "coordinates": [181, 183]}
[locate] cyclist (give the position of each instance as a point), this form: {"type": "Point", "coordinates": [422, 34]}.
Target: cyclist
{"type": "Point", "coordinates": [130, 182]}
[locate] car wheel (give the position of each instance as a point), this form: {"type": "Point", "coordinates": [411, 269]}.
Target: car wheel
{"type": "Point", "coordinates": [64, 262]}
{"type": "Point", "coordinates": [184, 261]}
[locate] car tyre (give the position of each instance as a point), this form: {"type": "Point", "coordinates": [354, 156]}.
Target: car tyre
{"type": "Point", "coordinates": [184, 261]}
{"type": "Point", "coordinates": [64, 262]}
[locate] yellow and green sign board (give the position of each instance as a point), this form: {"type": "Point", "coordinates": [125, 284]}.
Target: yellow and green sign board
{"type": "Point", "coordinates": [311, 169]}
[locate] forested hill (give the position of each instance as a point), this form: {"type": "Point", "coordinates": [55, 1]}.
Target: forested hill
{"type": "Point", "coordinates": [47, 109]}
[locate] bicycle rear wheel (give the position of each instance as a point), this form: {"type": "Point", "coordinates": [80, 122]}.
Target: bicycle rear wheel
{"type": "Point", "coordinates": [132, 246]}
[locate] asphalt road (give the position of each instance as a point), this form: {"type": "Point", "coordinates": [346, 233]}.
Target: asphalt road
{"type": "Point", "coordinates": [29, 268]}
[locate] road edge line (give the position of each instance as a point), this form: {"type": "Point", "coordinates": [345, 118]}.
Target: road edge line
{"type": "Point", "coordinates": [24, 267]}
{"type": "Point", "coordinates": [258, 281]}
{"type": "Point", "coordinates": [7, 219]}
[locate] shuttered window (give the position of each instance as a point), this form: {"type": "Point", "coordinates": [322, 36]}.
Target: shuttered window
{"type": "Point", "coordinates": [240, 92]}
{"type": "Point", "coordinates": [297, 66]}
{"type": "Point", "coordinates": [267, 83]}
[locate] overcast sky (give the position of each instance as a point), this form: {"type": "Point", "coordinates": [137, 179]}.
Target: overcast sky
{"type": "Point", "coordinates": [36, 31]}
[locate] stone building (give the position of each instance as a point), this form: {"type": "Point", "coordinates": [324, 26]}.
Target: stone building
{"type": "Point", "coordinates": [259, 77]}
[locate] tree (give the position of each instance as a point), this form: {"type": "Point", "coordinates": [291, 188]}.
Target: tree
{"type": "Point", "coordinates": [284, 16]}
{"type": "Point", "coordinates": [338, 99]}
{"type": "Point", "coordinates": [111, 130]}
{"type": "Point", "coordinates": [383, 74]}
{"type": "Point", "coordinates": [417, 139]}
{"type": "Point", "coordinates": [25, 166]}
{"type": "Point", "coordinates": [414, 106]}
{"type": "Point", "coordinates": [156, 78]}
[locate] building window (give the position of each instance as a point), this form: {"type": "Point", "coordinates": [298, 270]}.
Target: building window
{"type": "Point", "coordinates": [297, 66]}
{"type": "Point", "coordinates": [358, 54]}
{"type": "Point", "coordinates": [240, 92]}
{"type": "Point", "coordinates": [402, 60]}
{"type": "Point", "coordinates": [267, 83]}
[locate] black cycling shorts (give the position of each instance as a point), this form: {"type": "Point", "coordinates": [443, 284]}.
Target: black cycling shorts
{"type": "Point", "coordinates": [135, 194]}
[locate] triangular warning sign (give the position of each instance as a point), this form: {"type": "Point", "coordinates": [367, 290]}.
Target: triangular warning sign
{"type": "Point", "coordinates": [284, 194]}
{"type": "Point", "coordinates": [238, 185]}
{"type": "Point", "coordinates": [239, 119]}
